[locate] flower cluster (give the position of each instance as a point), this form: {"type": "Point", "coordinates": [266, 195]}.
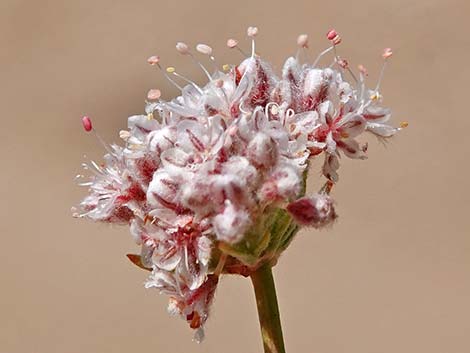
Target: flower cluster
{"type": "Point", "coordinates": [213, 181]}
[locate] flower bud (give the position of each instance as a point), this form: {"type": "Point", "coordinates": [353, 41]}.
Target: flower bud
{"type": "Point", "coordinates": [231, 224]}
{"type": "Point", "coordinates": [316, 211]}
{"type": "Point", "coordinates": [262, 150]}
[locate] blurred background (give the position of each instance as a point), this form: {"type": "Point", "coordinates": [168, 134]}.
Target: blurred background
{"type": "Point", "coordinates": [392, 275]}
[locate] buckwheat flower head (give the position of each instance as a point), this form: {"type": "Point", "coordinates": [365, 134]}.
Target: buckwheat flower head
{"type": "Point", "coordinates": [213, 181]}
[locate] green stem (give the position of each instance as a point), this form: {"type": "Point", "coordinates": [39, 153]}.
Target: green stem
{"type": "Point", "coordinates": [268, 311]}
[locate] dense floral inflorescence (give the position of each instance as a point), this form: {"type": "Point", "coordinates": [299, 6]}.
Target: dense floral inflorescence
{"type": "Point", "coordinates": [213, 181]}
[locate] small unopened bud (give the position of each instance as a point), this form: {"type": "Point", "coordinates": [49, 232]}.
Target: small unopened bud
{"type": "Point", "coordinates": [86, 121]}
{"type": "Point", "coordinates": [153, 60]}
{"type": "Point", "coordinates": [182, 48]}
{"type": "Point", "coordinates": [302, 41]}
{"type": "Point", "coordinates": [232, 43]}
{"type": "Point", "coordinates": [262, 150]}
{"type": "Point", "coordinates": [154, 94]}
{"type": "Point", "coordinates": [252, 31]}
{"type": "Point", "coordinates": [204, 49]}
{"type": "Point", "coordinates": [231, 224]}
{"type": "Point", "coordinates": [316, 211]}
{"type": "Point", "coordinates": [283, 183]}
{"type": "Point", "coordinates": [387, 53]}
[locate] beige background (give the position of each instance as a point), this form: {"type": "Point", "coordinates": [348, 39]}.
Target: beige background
{"type": "Point", "coordinates": [393, 275]}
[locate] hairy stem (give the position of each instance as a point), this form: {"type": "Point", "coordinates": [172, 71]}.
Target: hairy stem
{"type": "Point", "coordinates": [268, 311]}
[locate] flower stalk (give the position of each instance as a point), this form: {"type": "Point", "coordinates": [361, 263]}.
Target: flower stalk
{"type": "Point", "coordinates": [268, 309]}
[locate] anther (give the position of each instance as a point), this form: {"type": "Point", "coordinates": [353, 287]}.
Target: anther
{"type": "Point", "coordinates": [252, 32]}
{"type": "Point", "coordinates": [154, 94]}
{"type": "Point", "coordinates": [404, 124]}
{"type": "Point", "coordinates": [376, 96]}
{"type": "Point", "coordinates": [232, 43]}
{"type": "Point", "coordinates": [226, 67]}
{"type": "Point", "coordinates": [153, 60]}
{"type": "Point", "coordinates": [343, 63]}
{"type": "Point", "coordinates": [387, 53]}
{"type": "Point", "coordinates": [87, 125]}
{"type": "Point", "coordinates": [362, 69]}
{"type": "Point", "coordinates": [302, 41]}
{"type": "Point", "coordinates": [182, 48]}
{"type": "Point", "coordinates": [333, 36]}
{"type": "Point", "coordinates": [204, 49]}
{"type": "Point", "coordinates": [170, 69]}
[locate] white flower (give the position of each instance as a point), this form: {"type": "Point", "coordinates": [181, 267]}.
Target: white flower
{"type": "Point", "coordinates": [202, 174]}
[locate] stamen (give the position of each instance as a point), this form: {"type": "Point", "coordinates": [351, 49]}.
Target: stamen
{"type": "Point", "coordinates": [233, 43]}
{"type": "Point", "coordinates": [207, 50]}
{"type": "Point", "coordinates": [362, 69]}
{"type": "Point", "coordinates": [88, 126]}
{"type": "Point", "coordinates": [345, 65]}
{"type": "Point", "coordinates": [321, 54]}
{"type": "Point", "coordinates": [155, 61]}
{"type": "Point", "coordinates": [387, 53]}
{"type": "Point", "coordinates": [183, 49]}
{"type": "Point", "coordinates": [302, 42]}
{"type": "Point", "coordinates": [252, 32]}
{"type": "Point", "coordinates": [172, 70]}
